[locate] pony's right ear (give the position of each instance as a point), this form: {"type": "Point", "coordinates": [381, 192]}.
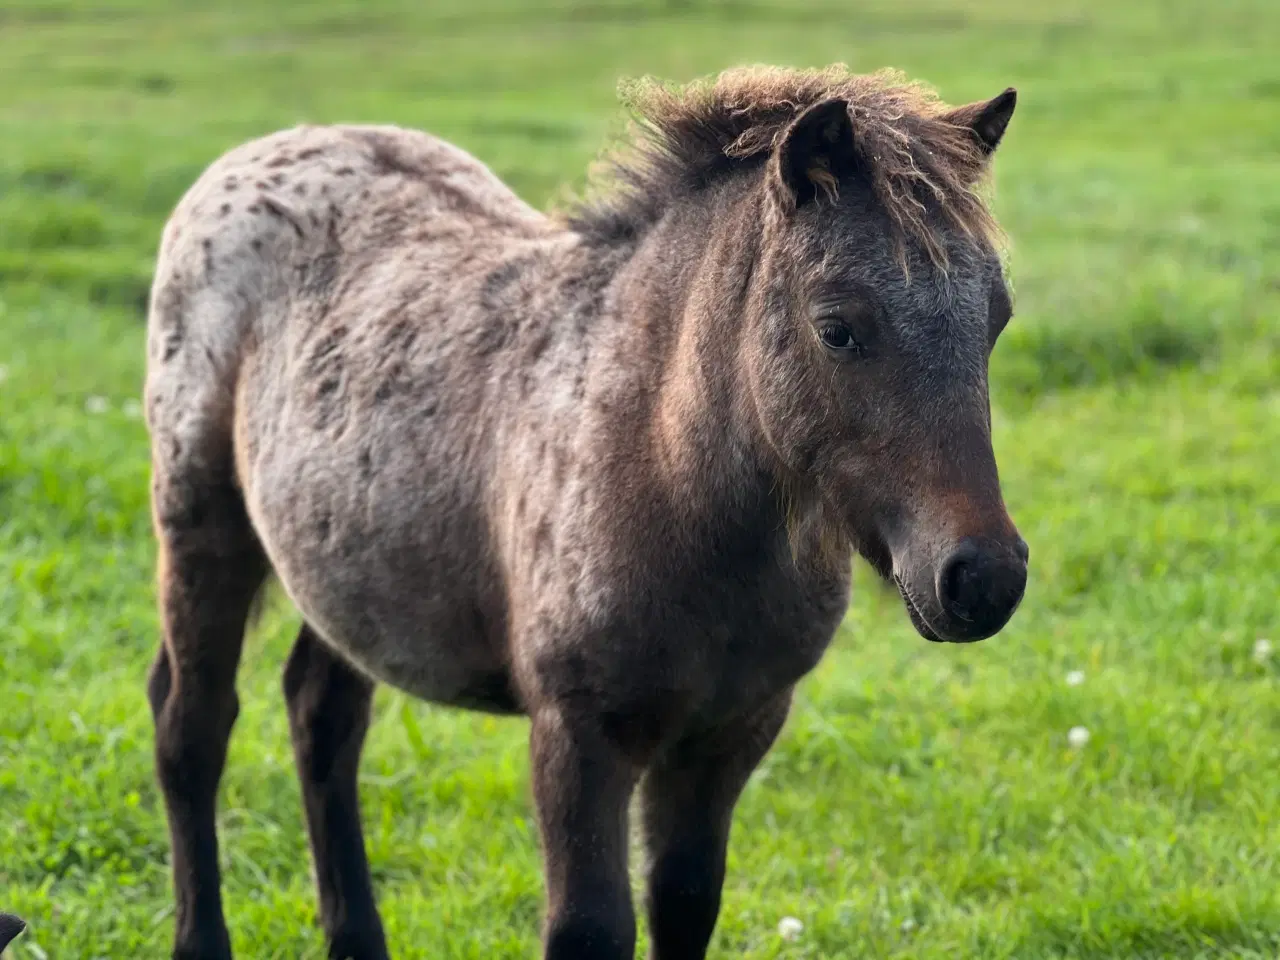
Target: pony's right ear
{"type": "Point", "coordinates": [816, 150]}
{"type": "Point", "coordinates": [10, 927]}
{"type": "Point", "coordinates": [988, 119]}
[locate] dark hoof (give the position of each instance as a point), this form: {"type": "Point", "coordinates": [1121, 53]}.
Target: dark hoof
{"type": "Point", "coordinates": [358, 945]}
{"type": "Point", "coordinates": [10, 927]}
{"type": "Point", "coordinates": [203, 952]}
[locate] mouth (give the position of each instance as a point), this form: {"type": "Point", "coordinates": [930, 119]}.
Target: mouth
{"type": "Point", "coordinates": [926, 630]}
{"type": "Point", "coordinates": [917, 618]}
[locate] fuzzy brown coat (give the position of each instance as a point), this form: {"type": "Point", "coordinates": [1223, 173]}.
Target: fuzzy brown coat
{"type": "Point", "coordinates": [604, 471]}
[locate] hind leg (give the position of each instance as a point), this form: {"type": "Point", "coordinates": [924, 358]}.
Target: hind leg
{"type": "Point", "coordinates": [329, 706]}
{"type": "Point", "coordinates": [211, 567]}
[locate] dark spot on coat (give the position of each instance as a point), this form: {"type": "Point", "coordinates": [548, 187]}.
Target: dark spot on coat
{"type": "Point", "coordinates": [173, 341]}
{"type": "Point", "coordinates": [231, 183]}
{"type": "Point", "coordinates": [256, 244]}
{"type": "Point", "coordinates": [224, 209]}
{"type": "Point", "coordinates": [282, 160]}
{"type": "Point", "coordinates": [457, 201]}
{"type": "Point", "coordinates": [277, 179]}
{"type": "Point", "coordinates": [279, 211]}
{"type": "Point", "coordinates": [328, 345]}
{"type": "Point", "coordinates": [402, 335]}
{"type": "Point", "coordinates": [309, 153]}
{"type": "Point", "coordinates": [207, 246]}
{"type": "Point", "coordinates": [317, 276]}
{"type": "Point", "coordinates": [344, 171]}
{"type": "Point", "coordinates": [395, 380]}
{"type": "Point", "coordinates": [254, 208]}
{"type": "Point", "coordinates": [365, 461]}
{"type": "Point", "coordinates": [488, 338]}
{"type": "Point", "coordinates": [171, 312]}
{"type": "Point", "coordinates": [538, 346]}
{"type": "Point", "coordinates": [325, 364]}
{"type": "Point", "coordinates": [389, 159]}
{"type": "Point", "coordinates": [542, 536]}
{"type": "Point", "coordinates": [323, 527]}
{"type": "Point", "coordinates": [499, 281]}
{"type": "Point", "coordinates": [300, 189]}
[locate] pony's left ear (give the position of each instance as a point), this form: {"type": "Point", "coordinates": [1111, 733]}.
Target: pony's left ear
{"type": "Point", "coordinates": [988, 119]}
{"type": "Point", "coordinates": [816, 150]}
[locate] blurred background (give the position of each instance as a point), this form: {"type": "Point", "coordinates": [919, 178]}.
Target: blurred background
{"type": "Point", "coordinates": [1100, 780]}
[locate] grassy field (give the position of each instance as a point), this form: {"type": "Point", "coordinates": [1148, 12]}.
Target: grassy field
{"type": "Point", "coordinates": [925, 802]}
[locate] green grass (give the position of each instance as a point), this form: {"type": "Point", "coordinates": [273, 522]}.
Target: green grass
{"type": "Point", "coordinates": [923, 802]}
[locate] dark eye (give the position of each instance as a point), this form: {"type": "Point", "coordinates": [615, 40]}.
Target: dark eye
{"type": "Point", "coordinates": [838, 338]}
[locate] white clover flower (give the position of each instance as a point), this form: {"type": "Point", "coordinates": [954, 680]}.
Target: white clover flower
{"type": "Point", "coordinates": [1261, 650]}
{"type": "Point", "coordinates": [131, 409]}
{"type": "Point", "coordinates": [1078, 737]}
{"type": "Point", "coordinates": [96, 404]}
{"type": "Point", "coordinates": [1075, 678]}
{"type": "Point", "coordinates": [789, 928]}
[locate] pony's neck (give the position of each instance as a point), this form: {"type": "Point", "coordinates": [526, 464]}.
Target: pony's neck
{"type": "Point", "coordinates": [682, 300]}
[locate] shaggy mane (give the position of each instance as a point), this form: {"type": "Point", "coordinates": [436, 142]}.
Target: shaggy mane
{"type": "Point", "coordinates": [686, 138]}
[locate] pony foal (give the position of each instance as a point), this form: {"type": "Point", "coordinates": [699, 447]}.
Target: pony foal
{"type": "Point", "coordinates": [605, 471]}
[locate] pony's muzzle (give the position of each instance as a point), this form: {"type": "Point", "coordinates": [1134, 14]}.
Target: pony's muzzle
{"type": "Point", "coordinates": [979, 586]}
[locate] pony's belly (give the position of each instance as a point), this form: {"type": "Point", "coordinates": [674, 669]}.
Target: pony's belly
{"type": "Point", "coordinates": [389, 606]}
{"type": "Point", "coordinates": [381, 567]}
{"type": "Point", "coordinates": [423, 646]}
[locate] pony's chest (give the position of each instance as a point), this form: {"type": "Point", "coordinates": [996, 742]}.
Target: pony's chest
{"type": "Point", "coordinates": [717, 645]}
{"type": "Point", "coordinates": [773, 638]}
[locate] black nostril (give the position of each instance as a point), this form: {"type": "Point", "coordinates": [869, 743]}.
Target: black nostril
{"type": "Point", "coordinates": [981, 583]}
{"type": "Point", "coordinates": [959, 584]}
{"type": "Point", "coordinates": [1022, 550]}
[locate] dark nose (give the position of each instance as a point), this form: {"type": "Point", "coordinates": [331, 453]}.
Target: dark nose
{"type": "Point", "coordinates": [981, 584]}
{"type": "Point", "coordinates": [1021, 549]}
